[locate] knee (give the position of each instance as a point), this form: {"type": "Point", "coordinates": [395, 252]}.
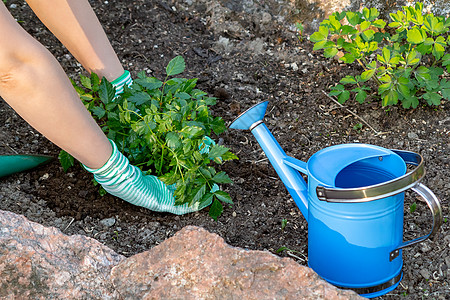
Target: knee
{"type": "Point", "coordinates": [14, 61]}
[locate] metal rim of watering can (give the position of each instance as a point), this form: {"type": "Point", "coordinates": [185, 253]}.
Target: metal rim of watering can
{"type": "Point", "coordinates": [377, 191]}
{"type": "Point", "coordinates": [374, 289]}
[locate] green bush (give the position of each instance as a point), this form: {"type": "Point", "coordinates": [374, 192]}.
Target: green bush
{"type": "Point", "coordinates": [407, 60]}
{"type": "Point", "coordinates": [161, 127]}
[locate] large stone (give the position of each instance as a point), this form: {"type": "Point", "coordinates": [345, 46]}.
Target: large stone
{"type": "Point", "coordinates": [195, 264]}
{"type": "Point", "coordinates": [42, 263]}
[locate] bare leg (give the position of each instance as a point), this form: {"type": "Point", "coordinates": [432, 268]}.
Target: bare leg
{"type": "Point", "coordinates": [35, 86]}
{"type": "Point", "coordinates": [75, 24]}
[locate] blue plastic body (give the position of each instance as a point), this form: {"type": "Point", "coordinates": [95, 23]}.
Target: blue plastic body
{"type": "Point", "coordinates": [349, 244]}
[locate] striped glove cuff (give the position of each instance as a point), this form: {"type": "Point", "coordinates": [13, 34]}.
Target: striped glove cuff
{"type": "Point", "coordinates": [120, 82]}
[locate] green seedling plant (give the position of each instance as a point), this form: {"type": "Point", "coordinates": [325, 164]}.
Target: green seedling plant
{"type": "Point", "coordinates": [407, 59]}
{"type": "Point", "coordinates": [300, 29]}
{"type": "Point", "coordinates": [358, 127]}
{"type": "Point", "coordinates": [161, 127]}
{"type": "Point", "coordinates": [283, 223]}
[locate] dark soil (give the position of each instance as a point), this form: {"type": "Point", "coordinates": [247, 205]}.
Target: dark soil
{"type": "Point", "coordinates": [243, 52]}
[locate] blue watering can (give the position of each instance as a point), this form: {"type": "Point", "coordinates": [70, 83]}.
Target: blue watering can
{"type": "Point", "coordinates": [353, 203]}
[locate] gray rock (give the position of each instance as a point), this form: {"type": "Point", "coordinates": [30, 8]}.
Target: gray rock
{"type": "Point", "coordinates": [447, 261]}
{"type": "Point", "coordinates": [425, 273]}
{"type": "Point", "coordinates": [412, 135]}
{"type": "Point", "coordinates": [108, 222]}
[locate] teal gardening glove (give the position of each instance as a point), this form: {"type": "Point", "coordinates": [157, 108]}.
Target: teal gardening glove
{"type": "Point", "coordinates": [121, 179]}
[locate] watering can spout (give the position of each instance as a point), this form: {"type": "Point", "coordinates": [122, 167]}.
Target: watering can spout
{"type": "Point", "coordinates": [286, 167]}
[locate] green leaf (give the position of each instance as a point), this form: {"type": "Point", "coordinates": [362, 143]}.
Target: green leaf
{"type": "Point", "coordinates": [318, 37]}
{"type": "Point", "coordinates": [422, 73]}
{"type": "Point", "coordinates": [446, 62]}
{"type": "Point", "coordinates": [368, 35]}
{"type": "Point", "coordinates": [330, 52]}
{"type": "Point", "coordinates": [85, 81]}
{"type": "Point", "coordinates": [366, 75]}
{"type": "Point", "coordinates": [217, 151]}
{"type": "Point", "coordinates": [223, 196]}
{"type": "Point", "coordinates": [337, 90]}
{"type": "Point", "coordinates": [221, 177]}
{"type": "Point", "coordinates": [366, 13]}
{"type": "Point", "coordinates": [281, 249]}
{"type": "Point", "coordinates": [389, 98]}
{"type": "Point", "coordinates": [348, 58]}
{"type": "Point", "coordinates": [321, 44]}
{"type": "Point", "coordinates": [432, 98]}
{"type": "Point", "coordinates": [149, 83]}
{"type": "Point", "coordinates": [344, 96]}
{"type": "Point", "coordinates": [206, 173]}
{"type": "Point", "coordinates": [228, 156]}
{"type": "Point", "coordinates": [445, 88]}
{"type": "Point", "coordinates": [348, 80]}
{"type": "Point", "coordinates": [175, 66]}
{"type": "Point", "coordinates": [215, 210]}
{"type": "Point", "coordinates": [98, 111]}
{"type": "Point", "coordinates": [379, 23]}
{"type": "Point", "coordinates": [139, 98]}
{"type": "Point", "coordinates": [415, 36]}
{"type": "Point", "coordinates": [385, 78]}
{"type": "Point", "coordinates": [361, 96]}
{"type": "Point", "coordinates": [191, 131]}
{"type": "Point", "coordinates": [106, 91]}
{"type": "Point", "coordinates": [173, 140]}
{"type": "Point", "coordinates": [410, 102]}
{"type": "Point", "coordinates": [364, 25]}
{"type": "Point", "coordinates": [413, 57]}
{"type": "Point", "coordinates": [433, 25]}
{"type": "Point", "coordinates": [198, 193]}
{"type": "Point", "coordinates": [428, 41]}
{"type": "Point", "coordinates": [346, 30]}
{"type": "Point", "coordinates": [353, 18]}
{"type": "Point", "coordinates": [386, 55]}
{"type": "Point", "coordinates": [95, 82]}
{"type": "Point", "coordinates": [66, 160]}
{"type": "Point", "coordinates": [334, 22]}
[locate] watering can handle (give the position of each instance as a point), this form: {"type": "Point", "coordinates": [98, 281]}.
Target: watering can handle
{"type": "Point", "coordinates": [377, 191]}
{"type": "Point", "coordinates": [436, 211]}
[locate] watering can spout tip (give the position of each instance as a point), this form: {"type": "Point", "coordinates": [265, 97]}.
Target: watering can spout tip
{"type": "Point", "coordinates": [252, 115]}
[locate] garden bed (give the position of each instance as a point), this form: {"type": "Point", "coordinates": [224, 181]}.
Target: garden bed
{"type": "Point", "coordinates": [242, 54]}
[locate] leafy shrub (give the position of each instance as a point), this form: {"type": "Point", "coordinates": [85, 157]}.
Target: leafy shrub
{"type": "Point", "coordinates": [161, 127]}
{"type": "Point", "coordinates": [408, 60]}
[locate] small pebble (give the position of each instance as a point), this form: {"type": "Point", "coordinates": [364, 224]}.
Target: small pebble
{"type": "Point", "coordinates": [412, 135]}
{"type": "Point", "coordinates": [425, 247]}
{"type": "Point", "coordinates": [108, 222]}
{"type": "Point", "coordinates": [425, 273]}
